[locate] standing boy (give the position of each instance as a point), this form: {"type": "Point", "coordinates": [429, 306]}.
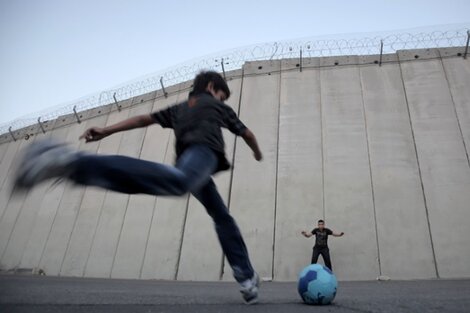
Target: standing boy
{"type": "Point", "coordinates": [321, 242]}
{"type": "Point", "coordinates": [200, 153]}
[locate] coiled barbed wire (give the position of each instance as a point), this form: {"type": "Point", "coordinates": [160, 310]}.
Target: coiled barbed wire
{"type": "Point", "coordinates": [234, 59]}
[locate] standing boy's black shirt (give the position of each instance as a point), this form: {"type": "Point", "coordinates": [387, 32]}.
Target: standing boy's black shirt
{"type": "Point", "coordinates": [199, 121]}
{"type": "Point", "coordinates": [321, 237]}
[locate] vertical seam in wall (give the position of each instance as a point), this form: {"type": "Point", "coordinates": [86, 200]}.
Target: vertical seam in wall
{"type": "Point", "coordinates": [14, 223]}
{"type": "Point", "coordinates": [178, 261]}
{"type": "Point", "coordinates": [119, 238]}
{"type": "Point", "coordinates": [229, 199]}
{"type": "Point", "coordinates": [23, 200]}
{"type": "Point", "coordinates": [155, 203]}
{"type": "Point", "coordinates": [66, 184]}
{"type": "Point", "coordinates": [73, 227]}
{"type": "Point", "coordinates": [120, 231]}
{"type": "Point", "coordinates": [10, 197]}
{"type": "Point", "coordinates": [98, 220]}
{"type": "Point", "coordinates": [182, 237]}
{"type": "Point", "coordinates": [370, 170]}
{"type": "Point", "coordinates": [52, 224]}
{"type": "Point", "coordinates": [277, 167]}
{"type": "Point", "coordinates": [4, 153]}
{"type": "Point", "coordinates": [7, 174]}
{"type": "Point", "coordinates": [31, 229]}
{"type": "Point", "coordinates": [454, 106]}
{"type": "Point", "coordinates": [153, 216]}
{"type": "Point", "coordinates": [419, 168]}
{"type": "Point", "coordinates": [101, 210]}
{"type": "Point", "coordinates": [94, 233]}
{"type": "Point", "coordinates": [74, 223]}
{"type": "Point", "coordinates": [322, 146]}
{"type": "Point", "coordinates": [127, 205]}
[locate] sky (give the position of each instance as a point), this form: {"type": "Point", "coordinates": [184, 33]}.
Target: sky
{"type": "Point", "coordinates": [56, 51]}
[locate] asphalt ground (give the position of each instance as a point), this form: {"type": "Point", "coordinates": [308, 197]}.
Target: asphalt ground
{"type": "Point", "coordinates": [26, 293]}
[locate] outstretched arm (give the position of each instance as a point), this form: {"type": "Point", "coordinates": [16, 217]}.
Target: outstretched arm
{"type": "Point", "coordinates": [98, 133]}
{"type": "Point", "coordinates": [306, 234]}
{"type": "Point", "coordinates": [251, 141]}
{"type": "Point", "coordinates": [338, 234]}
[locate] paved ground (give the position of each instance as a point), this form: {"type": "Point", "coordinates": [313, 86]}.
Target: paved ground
{"type": "Point", "coordinates": [52, 294]}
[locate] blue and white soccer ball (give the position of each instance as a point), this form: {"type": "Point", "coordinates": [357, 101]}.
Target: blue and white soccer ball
{"type": "Point", "coordinates": [317, 284]}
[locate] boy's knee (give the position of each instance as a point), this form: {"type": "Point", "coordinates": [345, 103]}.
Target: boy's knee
{"type": "Point", "coordinates": [181, 186]}
{"type": "Point", "coordinates": [180, 191]}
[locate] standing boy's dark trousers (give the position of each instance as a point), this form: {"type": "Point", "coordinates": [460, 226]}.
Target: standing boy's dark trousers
{"type": "Point", "coordinates": [325, 253]}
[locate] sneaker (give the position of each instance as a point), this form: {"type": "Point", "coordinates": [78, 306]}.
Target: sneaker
{"type": "Point", "coordinates": [249, 289]}
{"type": "Point", "coordinates": [42, 160]}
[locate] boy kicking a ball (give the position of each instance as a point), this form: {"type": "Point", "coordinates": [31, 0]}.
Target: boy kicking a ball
{"type": "Point", "coordinates": [200, 153]}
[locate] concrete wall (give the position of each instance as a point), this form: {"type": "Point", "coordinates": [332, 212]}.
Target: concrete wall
{"type": "Point", "coordinates": [380, 152]}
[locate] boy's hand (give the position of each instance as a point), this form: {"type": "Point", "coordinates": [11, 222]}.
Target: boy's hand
{"type": "Point", "coordinates": [250, 140]}
{"type": "Point", "coordinates": [93, 134]}
{"type": "Point", "coordinates": [303, 232]}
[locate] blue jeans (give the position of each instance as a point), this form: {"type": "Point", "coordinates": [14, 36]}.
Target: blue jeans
{"type": "Point", "coordinates": [192, 173]}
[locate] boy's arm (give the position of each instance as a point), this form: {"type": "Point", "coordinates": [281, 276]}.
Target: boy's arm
{"type": "Point", "coordinates": [98, 133]}
{"type": "Point", "coordinates": [233, 123]}
{"type": "Point", "coordinates": [251, 141]}
{"type": "Point", "coordinates": [338, 234]}
{"type": "Point", "coordinates": [307, 235]}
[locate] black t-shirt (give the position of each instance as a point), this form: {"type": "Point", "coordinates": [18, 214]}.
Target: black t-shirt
{"type": "Point", "coordinates": [200, 123]}
{"type": "Point", "coordinates": [321, 237]}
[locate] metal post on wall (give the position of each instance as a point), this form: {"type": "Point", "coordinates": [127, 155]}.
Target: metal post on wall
{"type": "Point", "coordinates": [223, 68]}
{"type": "Point", "coordinates": [466, 46]}
{"type": "Point", "coordinates": [163, 87]}
{"type": "Point", "coordinates": [40, 125]}
{"type": "Point", "coordinates": [76, 114]}
{"type": "Point", "coordinates": [381, 52]}
{"type": "Point", "coordinates": [301, 59]}
{"type": "Point", "coordinates": [11, 133]}
{"type": "Point", "coordinates": [116, 102]}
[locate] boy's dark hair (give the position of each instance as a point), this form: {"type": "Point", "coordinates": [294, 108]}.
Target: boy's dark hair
{"type": "Point", "coordinates": [321, 221]}
{"type": "Point", "coordinates": [205, 77]}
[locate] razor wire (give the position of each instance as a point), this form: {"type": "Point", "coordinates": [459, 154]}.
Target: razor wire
{"type": "Point", "coordinates": [337, 45]}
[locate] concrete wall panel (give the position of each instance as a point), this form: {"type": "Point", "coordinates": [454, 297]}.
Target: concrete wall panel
{"type": "Point", "coordinates": [11, 205]}
{"type": "Point", "coordinates": [300, 169]}
{"type": "Point", "coordinates": [47, 208]}
{"type": "Point", "coordinates": [140, 210]}
{"type": "Point", "coordinates": [3, 150]}
{"type": "Point", "coordinates": [103, 250]}
{"type": "Point", "coordinates": [27, 215]}
{"type": "Point", "coordinates": [348, 193]}
{"type": "Point", "coordinates": [5, 138]}
{"type": "Point", "coordinates": [253, 195]}
{"type": "Point", "coordinates": [84, 230]}
{"type": "Point", "coordinates": [11, 148]}
{"type": "Point", "coordinates": [403, 232]}
{"type": "Point", "coordinates": [166, 230]}
{"type": "Point", "coordinates": [6, 167]}
{"type": "Point", "coordinates": [457, 72]}
{"type": "Point", "coordinates": [64, 220]}
{"type": "Point", "coordinates": [442, 159]}
{"type": "Point", "coordinates": [201, 254]}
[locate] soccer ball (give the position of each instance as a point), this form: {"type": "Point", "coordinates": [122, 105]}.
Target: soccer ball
{"type": "Point", "coordinates": [317, 284]}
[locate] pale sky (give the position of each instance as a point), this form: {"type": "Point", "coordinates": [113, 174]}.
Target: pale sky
{"type": "Point", "coordinates": [55, 51]}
